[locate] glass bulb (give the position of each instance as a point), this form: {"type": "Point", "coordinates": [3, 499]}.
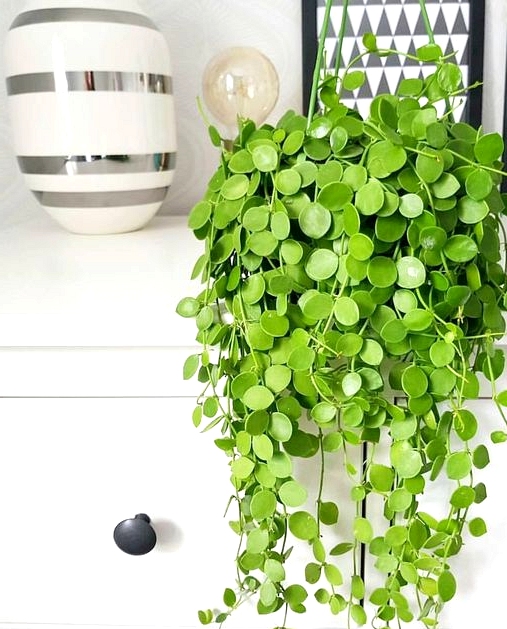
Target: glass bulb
{"type": "Point", "coordinates": [240, 81]}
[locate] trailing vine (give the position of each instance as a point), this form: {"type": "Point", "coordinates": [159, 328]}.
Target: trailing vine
{"type": "Point", "coordinates": [353, 291]}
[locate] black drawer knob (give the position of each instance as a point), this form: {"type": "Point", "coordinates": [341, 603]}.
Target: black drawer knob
{"type": "Point", "coordinates": [135, 536]}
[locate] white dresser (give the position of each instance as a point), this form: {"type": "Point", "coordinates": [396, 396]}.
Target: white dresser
{"type": "Point", "coordinates": [95, 427]}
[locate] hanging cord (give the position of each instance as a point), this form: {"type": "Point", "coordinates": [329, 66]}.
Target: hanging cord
{"type": "Point", "coordinates": [318, 62]}
{"type": "Point", "coordinates": [341, 36]}
{"type": "Point", "coordinates": [427, 23]}
{"type": "Point", "coordinates": [431, 37]}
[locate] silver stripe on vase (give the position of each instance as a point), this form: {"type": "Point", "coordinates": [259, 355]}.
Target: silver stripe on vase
{"type": "Point", "coordinates": [124, 198]}
{"type": "Point", "coordinates": [97, 164]}
{"type": "Point", "coordinates": [89, 81]}
{"type": "Point", "coordinates": [93, 125]}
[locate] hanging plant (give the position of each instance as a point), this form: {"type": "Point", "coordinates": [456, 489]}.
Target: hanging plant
{"type": "Point", "coordinates": [353, 290]}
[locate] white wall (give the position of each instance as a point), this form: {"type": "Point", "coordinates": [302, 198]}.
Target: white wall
{"type": "Point", "coordinates": [196, 30]}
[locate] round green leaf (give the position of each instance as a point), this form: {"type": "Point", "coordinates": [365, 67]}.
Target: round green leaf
{"type": "Point", "coordinates": [280, 225]}
{"type": "Point", "coordinates": [323, 412]}
{"type": "Point", "coordinates": [463, 497]}
{"type": "Point", "coordinates": [403, 428]}
{"type": "Point", "coordinates": [411, 205]}
{"type": "Point", "coordinates": [460, 248]}
{"type": "Point", "coordinates": [273, 324]}
{"type": "Point", "coordinates": [351, 384]}
{"type": "Point", "coordinates": [371, 352]}
{"type": "Point", "coordinates": [414, 381]}
{"type": "Point", "coordinates": [353, 80]}
{"type": "Point", "coordinates": [334, 196]}
{"type": "Point", "coordinates": [303, 525]}
{"type": "Point", "coordinates": [446, 586]}
{"type": "Point", "coordinates": [235, 187]}
{"type": "Point", "coordinates": [257, 398]}
{"type": "Point", "coordinates": [253, 288]}
{"type": "Point", "coordinates": [274, 570]}
{"type": "Point", "coordinates": [396, 536]}
{"type": "Point", "coordinates": [400, 500]}
{"type": "Point", "coordinates": [280, 427]}
{"type": "Point", "coordinates": [280, 465]}
{"type": "Point", "coordinates": [390, 228]}
{"type": "Point", "coordinates": [406, 461]}
{"type": "Point", "coordinates": [262, 447]}
{"type": "Point", "coordinates": [385, 158]}
{"type": "Point", "coordinates": [291, 251]}
{"type": "Point", "coordinates": [277, 377]}
{"type": "Point", "coordinates": [355, 176]}
{"type": "Point", "coordinates": [346, 311]}
{"type": "Point", "coordinates": [317, 149]}
{"type": "Point", "coordinates": [370, 198]}
{"type": "Point", "coordinates": [381, 477]}
{"type": "Point", "coordinates": [411, 272]}
{"type": "Point", "coordinates": [418, 320]}
{"type": "Point", "coordinates": [360, 247]}
{"type": "Point", "coordinates": [321, 264]}
{"type": "Point", "coordinates": [188, 307]}
{"type": "Point", "coordinates": [477, 527]}
{"type": "Point", "coordinates": [432, 238]}
{"type": "Point", "coordinates": [382, 272]}
{"type": "Point", "coordinates": [446, 186]}
{"type": "Point", "coordinates": [319, 127]}
{"type": "Point", "coordinates": [293, 142]}
{"type": "Point", "coordinates": [471, 211]}
{"type": "Point", "coordinates": [481, 457]}
{"type": "Point", "coordinates": [363, 530]}
{"type": "Point", "coordinates": [349, 344]}
{"type": "Point", "coordinates": [262, 243]}
{"type": "Point", "coordinates": [442, 353]}
{"type": "Point", "coordinates": [328, 513]}
{"type": "Point", "coordinates": [458, 465]}
{"type": "Point", "coordinates": [199, 215]}
{"type": "Point", "coordinates": [263, 504]}
{"type": "Point", "coordinates": [479, 184]}
{"type": "Point", "coordinates": [316, 305]}
{"type": "Point", "coordinates": [429, 52]}
{"type": "Point", "coordinates": [242, 382]}
{"type": "Point", "coordinates": [293, 494]}
{"type": "Point", "coordinates": [315, 221]}
{"type": "Point", "coordinates": [430, 166]}
{"type": "Point", "coordinates": [489, 148]}
{"type": "Point", "coordinates": [257, 541]}
{"type": "Point", "coordinates": [301, 358]}
{"type": "Point", "coordinates": [242, 467]}
{"type": "Point", "coordinates": [288, 181]}
{"type": "Point", "coordinates": [338, 139]}
{"type": "Point", "coordinates": [265, 158]}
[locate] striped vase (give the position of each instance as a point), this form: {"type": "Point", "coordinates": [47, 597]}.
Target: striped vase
{"type": "Point", "coordinates": [90, 97]}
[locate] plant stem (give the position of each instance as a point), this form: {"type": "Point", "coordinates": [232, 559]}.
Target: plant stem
{"type": "Point", "coordinates": [318, 62]}
{"type": "Point", "coordinates": [426, 19]}
{"type": "Point", "coordinates": [341, 35]}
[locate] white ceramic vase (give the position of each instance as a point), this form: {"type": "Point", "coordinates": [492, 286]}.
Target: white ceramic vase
{"type": "Point", "coordinates": [90, 95]}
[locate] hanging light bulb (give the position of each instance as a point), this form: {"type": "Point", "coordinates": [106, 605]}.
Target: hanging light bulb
{"type": "Point", "coordinates": [242, 82]}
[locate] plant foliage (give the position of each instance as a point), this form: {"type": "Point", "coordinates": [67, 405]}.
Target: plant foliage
{"type": "Point", "coordinates": [353, 291]}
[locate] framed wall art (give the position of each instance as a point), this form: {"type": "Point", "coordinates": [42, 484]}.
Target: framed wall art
{"type": "Point", "coordinates": [458, 26]}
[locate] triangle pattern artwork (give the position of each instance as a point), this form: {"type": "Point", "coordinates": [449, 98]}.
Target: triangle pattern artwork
{"type": "Point", "coordinates": [398, 25]}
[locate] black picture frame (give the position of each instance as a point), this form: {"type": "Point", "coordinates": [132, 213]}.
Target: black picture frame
{"type": "Point", "coordinates": [474, 55]}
